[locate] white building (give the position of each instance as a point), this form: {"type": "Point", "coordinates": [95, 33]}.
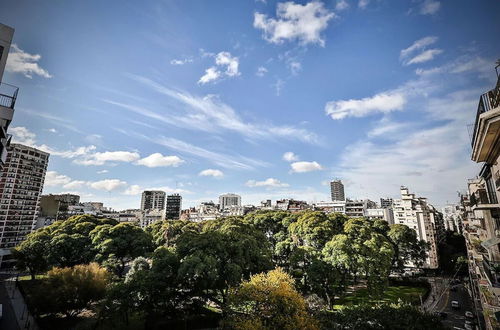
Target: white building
{"type": "Point", "coordinates": [228, 200]}
{"type": "Point", "coordinates": [330, 207]}
{"type": "Point", "coordinates": [153, 200]}
{"type": "Point", "coordinates": [452, 217]}
{"type": "Point", "coordinates": [151, 216]}
{"type": "Point", "coordinates": [386, 214]}
{"type": "Point", "coordinates": [357, 208]}
{"type": "Point", "coordinates": [419, 215]}
{"type": "Point", "coordinates": [20, 188]}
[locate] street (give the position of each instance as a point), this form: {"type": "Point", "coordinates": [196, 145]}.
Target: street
{"type": "Point", "coordinates": [455, 317]}
{"type": "Point", "coordinates": [8, 320]}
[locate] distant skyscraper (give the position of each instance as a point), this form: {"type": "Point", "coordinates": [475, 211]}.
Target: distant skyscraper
{"type": "Point", "coordinates": [228, 200]}
{"type": "Point", "coordinates": [20, 188]}
{"type": "Point", "coordinates": [174, 207]}
{"type": "Point", "coordinates": [386, 203]}
{"type": "Point", "coordinates": [337, 190]}
{"type": "Point", "coordinates": [153, 200]}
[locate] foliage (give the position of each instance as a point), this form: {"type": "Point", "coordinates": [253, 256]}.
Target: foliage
{"type": "Point", "coordinates": [166, 232]}
{"type": "Point", "coordinates": [386, 317]}
{"type": "Point", "coordinates": [70, 290]}
{"type": "Point", "coordinates": [31, 254]}
{"type": "Point", "coordinates": [119, 244]}
{"type": "Point", "coordinates": [407, 247]}
{"type": "Point", "coordinates": [269, 301]}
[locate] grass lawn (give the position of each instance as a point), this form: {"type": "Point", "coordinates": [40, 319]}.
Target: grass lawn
{"type": "Point", "coordinates": [409, 294]}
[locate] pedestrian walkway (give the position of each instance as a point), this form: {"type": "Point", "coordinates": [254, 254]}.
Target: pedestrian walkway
{"type": "Point", "coordinates": [24, 319]}
{"type": "Point", "coordinates": [438, 288]}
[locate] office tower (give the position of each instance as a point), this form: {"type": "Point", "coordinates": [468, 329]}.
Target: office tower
{"type": "Point", "coordinates": [20, 189]}
{"type": "Point", "coordinates": [229, 200]}
{"type": "Point", "coordinates": [174, 207]}
{"type": "Point", "coordinates": [337, 190]}
{"type": "Point", "coordinates": [8, 93]}
{"type": "Point", "coordinates": [153, 200]}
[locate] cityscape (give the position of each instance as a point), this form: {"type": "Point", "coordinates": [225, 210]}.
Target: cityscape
{"type": "Point", "coordinates": [148, 179]}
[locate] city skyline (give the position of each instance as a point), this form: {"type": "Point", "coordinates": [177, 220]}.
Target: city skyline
{"type": "Point", "coordinates": [155, 111]}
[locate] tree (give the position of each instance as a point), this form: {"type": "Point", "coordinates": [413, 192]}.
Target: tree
{"type": "Point", "coordinates": [117, 245]}
{"type": "Point", "coordinates": [407, 247]}
{"type": "Point", "coordinates": [70, 290]}
{"type": "Point", "coordinates": [31, 254]}
{"type": "Point", "coordinates": [313, 229]}
{"type": "Point", "coordinates": [269, 301]}
{"type": "Point", "coordinates": [219, 257]}
{"type": "Point", "coordinates": [380, 317]}
{"type": "Point", "coordinates": [166, 232]}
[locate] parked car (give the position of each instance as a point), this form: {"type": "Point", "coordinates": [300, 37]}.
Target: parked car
{"type": "Point", "coordinates": [469, 315]}
{"type": "Point", "coordinates": [455, 304]}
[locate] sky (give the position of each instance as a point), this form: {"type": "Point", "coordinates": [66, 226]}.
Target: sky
{"type": "Point", "coordinates": [266, 99]}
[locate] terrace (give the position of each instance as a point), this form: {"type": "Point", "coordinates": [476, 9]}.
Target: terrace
{"type": "Point", "coordinates": [8, 95]}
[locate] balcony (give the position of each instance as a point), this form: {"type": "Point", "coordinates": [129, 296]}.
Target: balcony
{"type": "Point", "coordinates": [487, 127]}
{"type": "Point", "coordinates": [8, 95]}
{"type": "Point", "coordinates": [483, 199]}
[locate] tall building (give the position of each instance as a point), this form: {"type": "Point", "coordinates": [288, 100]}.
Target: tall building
{"type": "Point", "coordinates": [386, 203]}
{"type": "Point", "coordinates": [20, 188]}
{"type": "Point", "coordinates": [357, 208]}
{"type": "Point", "coordinates": [416, 213]}
{"type": "Point", "coordinates": [174, 207]}
{"type": "Point", "coordinates": [481, 207]}
{"type": "Point", "coordinates": [153, 200]}
{"type": "Point", "coordinates": [55, 207]}
{"type": "Point", "coordinates": [228, 200]}
{"type": "Point", "coordinates": [337, 190]}
{"type": "Point", "coordinates": [8, 93]}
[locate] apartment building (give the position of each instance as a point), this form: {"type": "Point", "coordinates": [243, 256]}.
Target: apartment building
{"type": "Point", "coordinates": [153, 200]}
{"type": "Point", "coordinates": [20, 188]}
{"type": "Point", "coordinates": [337, 190]}
{"type": "Point", "coordinates": [228, 200]}
{"type": "Point", "coordinates": [481, 209]}
{"type": "Point", "coordinates": [357, 208]}
{"type": "Point", "coordinates": [416, 213]}
{"type": "Point", "coordinates": [55, 207]}
{"type": "Point", "coordinates": [174, 207]}
{"type": "Point", "coordinates": [8, 93]}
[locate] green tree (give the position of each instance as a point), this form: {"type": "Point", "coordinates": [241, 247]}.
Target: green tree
{"type": "Point", "coordinates": [117, 245]}
{"type": "Point", "coordinates": [219, 257]}
{"type": "Point", "coordinates": [269, 301]}
{"type": "Point", "coordinates": [70, 290]}
{"type": "Point", "coordinates": [314, 229]}
{"type": "Point", "coordinates": [31, 254]}
{"type": "Point", "coordinates": [407, 247]}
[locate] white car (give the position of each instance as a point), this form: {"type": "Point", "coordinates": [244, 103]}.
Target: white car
{"type": "Point", "coordinates": [455, 304]}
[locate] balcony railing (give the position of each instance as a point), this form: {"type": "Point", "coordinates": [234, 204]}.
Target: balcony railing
{"type": "Point", "coordinates": [8, 95]}
{"type": "Point", "coordinates": [481, 197]}
{"type": "Point", "coordinates": [488, 101]}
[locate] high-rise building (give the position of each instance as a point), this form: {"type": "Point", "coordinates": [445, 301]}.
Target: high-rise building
{"type": "Point", "coordinates": [55, 207]}
{"type": "Point", "coordinates": [174, 207]}
{"type": "Point", "coordinates": [337, 190]}
{"type": "Point", "coordinates": [8, 93]}
{"type": "Point", "coordinates": [416, 213]}
{"type": "Point", "coordinates": [386, 203]}
{"type": "Point", "coordinates": [228, 200]}
{"type": "Point", "coordinates": [20, 189]}
{"type": "Point", "coordinates": [153, 200]}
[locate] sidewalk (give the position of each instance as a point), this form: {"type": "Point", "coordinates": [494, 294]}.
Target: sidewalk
{"type": "Point", "coordinates": [24, 319]}
{"type": "Point", "coordinates": [434, 296]}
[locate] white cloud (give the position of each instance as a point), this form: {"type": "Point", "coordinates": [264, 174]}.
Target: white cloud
{"type": "Point", "coordinates": [341, 5]}
{"type": "Point", "coordinates": [419, 44]}
{"type": "Point", "coordinates": [226, 65]}
{"type": "Point", "coordinates": [108, 185]}
{"type": "Point", "coordinates": [75, 184]}
{"type": "Point", "coordinates": [290, 156]}
{"type": "Point", "coordinates": [385, 126]}
{"type": "Point", "coordinates": [295, 22]}
{"type": "Point", "coordinates": [408, 56]}
{"type": "Point", "coordinates": [212, 172]}
{"type": "Point", "coordinates": [102, 171]}
{"type": "Point", "coordinates": [363, 4]}
{"type": "Point", "coordinates": [158, 160]}
{"type": "Point", "coordinates": [301, 167]}
{"type": "Point", "coordinates": [52, 179]}
{"type": "Point", "coordinates": [22, 135]}
{"type": "Point", "coordinates": [22, 62]}
{"type": "Point", "coordinates": [133, 190]}
{"type": "Point", "coordinates": [210, 114]}
{"type": "Point", "coordinates": [278, 86]}
{"type": "Point", "coordinates": [270, 183]}
{"type": "Point", "coordinates": [383, 102]}
{"type": "Point", "coordinates": [100, 158]}
{"type": "Point", "coordinates": [430, 7]}
{"type": "Point", "coordinates": [261, 71]}
{"type": "Point", "coordinates": [425, 56]}
{"type": "Point", "coordinates": [52, 130]}
{"type": "Point", "coordinates": [181, 61]}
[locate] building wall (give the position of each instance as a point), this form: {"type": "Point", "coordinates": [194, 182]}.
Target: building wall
{"type": "Point", "coordinates": [153, 199]}
{"type": "Point", "coordinates": [337, 190]}
{"type": "Point", "coordinates": [174, 207]}
{"type": "Point", "coordinates": [228, 200]}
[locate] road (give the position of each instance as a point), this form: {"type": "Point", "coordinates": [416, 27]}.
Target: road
{"type": "Point", "coordinates": [456, 317]}
{"type": "Point", "coordinates": [8, 321]}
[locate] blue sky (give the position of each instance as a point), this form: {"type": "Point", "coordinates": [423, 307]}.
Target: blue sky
{"type": "Point", "coordinates": [266, 99]}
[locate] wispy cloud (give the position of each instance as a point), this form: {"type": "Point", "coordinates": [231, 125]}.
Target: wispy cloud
{"type": "Point", "coordinates": [226, 65]}
{"type": "Point", "coordinates": [268, 183]}
{"type": "Point", "coordinates": [303, 23]}
{"type": "Point", "coordinates": [430, 7]}
{"type": "Point", "coordinates": [302, 167]}
{"type": "Point", "coordinates": [410, 56]}
{"type": "Point", "coordinates": [181, 61]}
{"type": "Point", "coordinates": [25, 63]}
{"type": "Point", "coordinates": [212, 172]}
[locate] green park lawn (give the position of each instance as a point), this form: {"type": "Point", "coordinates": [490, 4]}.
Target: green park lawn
{"type": "Point", "coordinates": [409, 294]}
